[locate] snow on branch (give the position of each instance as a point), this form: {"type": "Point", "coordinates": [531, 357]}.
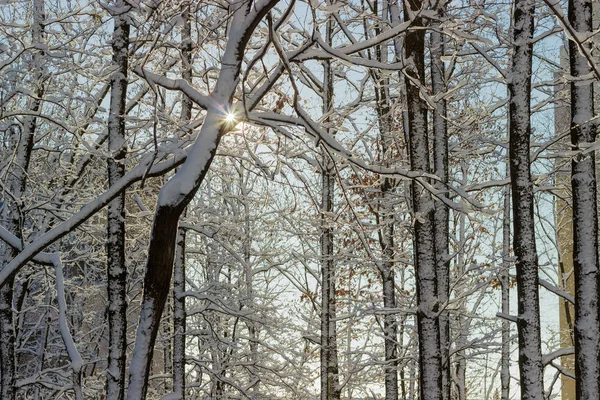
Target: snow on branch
{"type": "Point", "coordinates": [34, 248]}
{"type": "Point", "coordinates": [65, 333]}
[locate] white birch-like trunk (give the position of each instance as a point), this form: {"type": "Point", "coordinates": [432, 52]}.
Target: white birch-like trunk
{"type": "Point", "coordinates": [505, 302]}
{"type": "Point", "coordinates": [519, 88]}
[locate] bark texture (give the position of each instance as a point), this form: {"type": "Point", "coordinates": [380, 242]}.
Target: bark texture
{"type": "Point", "coordinates": [505, 301]}
{"type": "Point", "coordinates": [519, 87]}
{"type": "Point", "coordinates": [385, 216]}
{"type": "Point", "coordinates": [330, 385]}
{"type": "Point", "coordinates": [585, 216]}
{"type": "Point", "coordinates": [440, 163]}
{"type": "Point", "coordinates": [179, 313]}
{"type": "Point", "coordinates": [115, 242]}
{"type": "Point", "coordinates": [430, 371]}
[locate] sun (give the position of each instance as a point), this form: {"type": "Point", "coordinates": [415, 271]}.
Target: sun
{"type": "Point", "coordinates": [230, 117]}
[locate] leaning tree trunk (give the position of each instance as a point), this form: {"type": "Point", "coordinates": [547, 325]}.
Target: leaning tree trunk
{"type": "Point", "coordinates": [330, 385]}
{"type": "Point", "coordinates": [585, 217]}
{"type": "Point", "coordinates": [115, 242]}
{"type": "Point", "coordinates": [15, 183]}
{"type": "Point", "coordinates": [519, 87]}
{"type": "Point", "coordinates": [181, 188]}
{"type": "Point", "coordinates": [441, 217]}
{"type": "Point", "coordinates": [430, 374]}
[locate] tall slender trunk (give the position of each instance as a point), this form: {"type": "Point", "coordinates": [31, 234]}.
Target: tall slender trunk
{"type": "Point", "coordinates": [461, 323]}
{"type": "Point", "coordinates": [385, 217]}
{"type": "Point", "coordinates": [505, 287]}
{"type": "Point", "coordinates": [430, 373]}
{"type": "Point", "coordinates": [563, 212]}
{"type": "Point", "coordinates": [179, 313]}
{"type": "Point", "coordinates": [249, 283]}
{"type": "Point", "coordinates": [16, 183]}
{"type": "Point", "coordinates": [585, 214]}
{"type": "Point", "coordinates": [519, 87]}
{"type": "Point", "coordinates": [441, 217]}
{"type": "Point", "coordinates": [115, 242]}
{"type": "Point", "coordinates": [330, 386]}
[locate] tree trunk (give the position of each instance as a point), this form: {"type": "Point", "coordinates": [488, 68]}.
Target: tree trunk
{"type": "Point", "coordinates": [385, 219]}
{"type": "Point", "coordinates": [505, 287]}
{"type": "Point", "coordinates": [585, 217]}
{"type": "Point", "coordinates": [330, 386]}
{"type": "Point", "coordinates": [179, 191]}
{"type": "Point", "coordinates": [460, 358]}
{"type": "Point", "coordinates": [115, 242]}
{"type": "Point", "coordinates": [179, 313]}
{"type": "Point", "coordinates": [430, 374]}
{"type": "Point", "coordinates": [15, 183]}
{"type": "Point", "coordinates": [441, 218]}
{"type": "Point", "coordinates": [519, 87]}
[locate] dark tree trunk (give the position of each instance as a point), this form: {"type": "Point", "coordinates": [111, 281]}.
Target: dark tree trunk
{"type": "Point", "coordinates": [330, 386]}
{"type": "Point", "coordinates": [430, 371]}
{"type": "Point", "coordinates": [385, 217]}
{"type": "Point", "coordinates": [440, 163]}
{"type": "Point", "coordinates": [519, 87]}
{"type": "Point", "coordinates": [179, 313]}
{"type": "Point", "coordinates": [115, 242]}
{"type": "Point", "coordinates": [585, 216]}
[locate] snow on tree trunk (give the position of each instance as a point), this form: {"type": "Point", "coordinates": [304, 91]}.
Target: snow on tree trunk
{"type": "Point", "coordinates": [181, 188]}
{"type": "Point", "coordinates": [115, 241]}
{"type": "Point", "coordinates": [430, 372]}
{"type": "Point", "coordinates": [519, 87]}
{"type": "Point", "coordinates": [179, 313]}
{"type": "Point", "coordinates": [385, 219]}
{"type": "Point", "coordinates": [386, 242]}
{"type": "Point", "coordinates": [460, 364]}
{"type": "Point", "coordinates": [15, 183]}
{"type": "Point", "coordinates": [585, 217]}
{"type": "Point", "coordinates": [330, 386]}
{"type": "Point", "coordinates": [249, 282]}
{"type": "Point", "coordinates": [440, 162]}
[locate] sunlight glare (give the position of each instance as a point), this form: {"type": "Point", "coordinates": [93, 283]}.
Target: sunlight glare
{"type": "Point", "coordinates": [230, 117]}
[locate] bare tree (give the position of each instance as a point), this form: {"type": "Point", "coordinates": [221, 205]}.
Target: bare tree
{"type": "Point", "coordinates": [330, 385]}
{"type": "Point", "coordinates": [585, 215]}
{"type": "Point", "coordinates": [180, 189]}
{"type": "Point", "coordinates": [23, 137]}
{"type": "Point", "coordinates": [441, 216]}
{"type": "Point", "coordinates": [519, 87]}
{"type": "Point", "coordinates": [428, 307]}
{"type": "Point", "coordinates": [179, 312]}
{"type": "Point", "coordinates": [505, 300]}
{"type": "Point", "coordinates": [115, 241]}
